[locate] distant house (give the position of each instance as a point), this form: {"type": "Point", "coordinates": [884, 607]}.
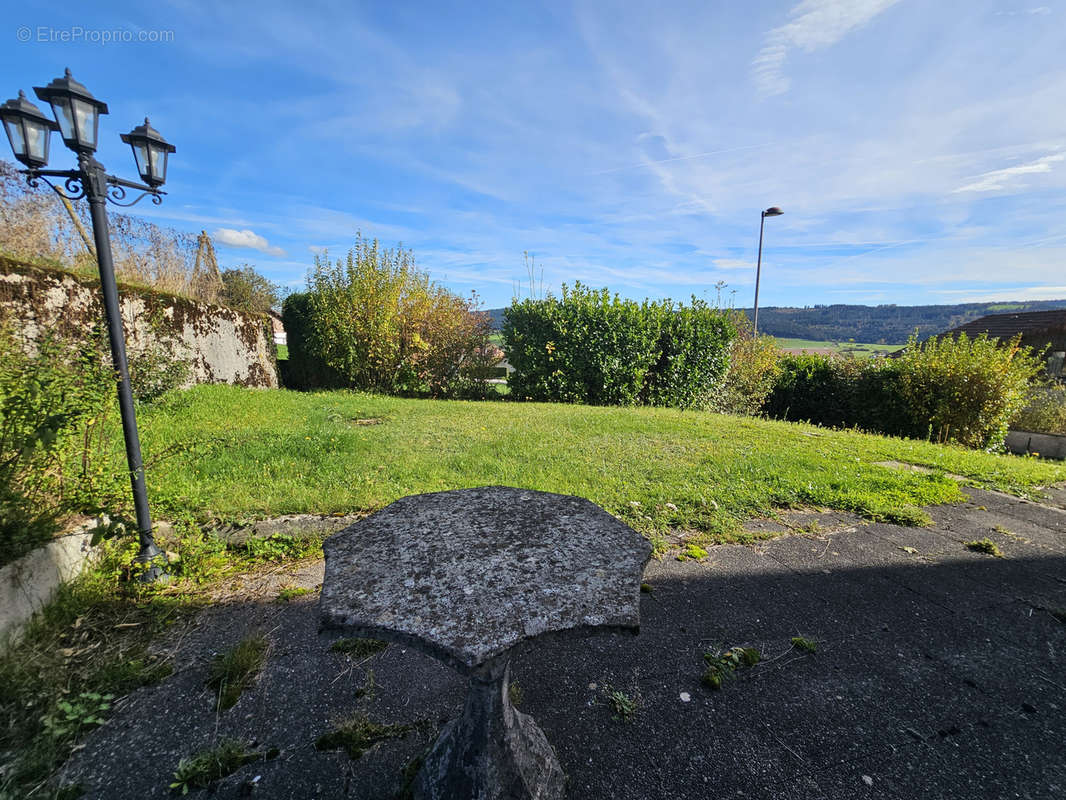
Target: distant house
{"type": "Point", "coordinates": [279, 329]}
{"type": "Point", "coordinates": [1039, 329]}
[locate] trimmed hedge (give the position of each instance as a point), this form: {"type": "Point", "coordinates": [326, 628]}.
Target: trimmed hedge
{"type": "Point", "coordinates": [304, 369]}
{"type": "Point", "coordinates": [946, 389]}
{"type": "Point", "coordinates": [591, 347]}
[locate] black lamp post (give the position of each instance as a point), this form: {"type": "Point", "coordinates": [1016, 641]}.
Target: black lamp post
{"type": "Point", "coordinates": [77, 118]}
{"type": "Point", "coordinates": [772, 211]}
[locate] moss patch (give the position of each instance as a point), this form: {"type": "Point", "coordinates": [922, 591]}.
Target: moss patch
{"type": "Point", "coordinates": [358, 734]}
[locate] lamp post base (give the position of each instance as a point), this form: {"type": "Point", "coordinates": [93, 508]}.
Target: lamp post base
{"type": "Point", "coordinates": [154, 561]}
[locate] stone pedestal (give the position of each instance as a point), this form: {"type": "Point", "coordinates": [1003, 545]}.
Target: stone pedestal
{"type": "Point", "coordinates": [492, 751]}
{"type": "Point", "coordinates": [468, 576]}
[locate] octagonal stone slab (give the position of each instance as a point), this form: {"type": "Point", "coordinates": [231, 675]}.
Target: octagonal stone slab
{"type": "Point", "coordinates": [466, 575]}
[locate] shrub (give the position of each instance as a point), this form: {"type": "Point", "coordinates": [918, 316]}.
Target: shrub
{"type": "Point", "coordinates": [245, 289]}
{"type": "Point", "coordinates": [591, 347]}
{"type": "Point", "coordinates": [585, 347]}
{"type": "Point", "coordinates": [948, 389]}
{"type": "Point", "coordinates": [967, 390]}
{"type": "Point", "coordinates": [375, 321]}
{"type": "Point", "coordinates": [1045, 412]}
{"type": "Point", "coordinates": [753, 371]}
{"type": "Point", "coordinates": [49, 399]}
{"type": "Point", "coordinates": [305, 367]}
{"type": "Point", "coordinates": [693, 355]}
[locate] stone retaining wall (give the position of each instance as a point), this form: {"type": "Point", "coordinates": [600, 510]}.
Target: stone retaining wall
{"type": "Point", "coordinates": [221, 344]}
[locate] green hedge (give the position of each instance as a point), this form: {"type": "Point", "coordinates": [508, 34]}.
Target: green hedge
{"type": "Point", "coordinates": [304, 369]}
{"type": "Point", "coordinates": [591, 347]}
{"type": "Point", "coordinates": [947, 389]}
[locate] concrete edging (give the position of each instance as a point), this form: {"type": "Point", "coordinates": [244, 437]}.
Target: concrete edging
{"type": "Point", "coordinates": [27, 585]}
{"type": "Point", "coordinates": [1047, 445]}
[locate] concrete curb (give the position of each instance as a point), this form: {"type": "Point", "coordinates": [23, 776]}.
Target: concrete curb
{"type": "Point", "coordinates": [27, 585]}
{"type": "Point", "coordinates": [1046, 445]}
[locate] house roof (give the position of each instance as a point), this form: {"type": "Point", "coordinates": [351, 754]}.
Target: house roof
{"type": "Point", "coordinates": [1004, 326]}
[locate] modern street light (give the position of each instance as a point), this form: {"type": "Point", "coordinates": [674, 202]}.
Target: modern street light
{"type": "Point", "coordinates": [772, 211]}
{"type": "Point", "coordinates": [77, 118]}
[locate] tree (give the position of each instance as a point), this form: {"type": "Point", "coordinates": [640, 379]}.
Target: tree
{"type": "Point", "coordinates": [245, 289]}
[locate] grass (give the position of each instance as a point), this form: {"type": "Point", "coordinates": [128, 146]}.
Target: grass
{"type": "Point", "coordinates": [283, 352]}
{"type": "Point", "coordinates": [89, 645]}
{"type": "Point", "coordinates": [206, 767]}
{"type": "Point", "coordinates": [986, 546]}
{"type": "Point", "coordinates": [235, 670]}
{"type": "Point", "coordinates": [860, 349]}
{"type": "Point", "coordinates": [358, 648]}
{"type": "Point", "coordinates": [92, 644]}
{"type": "Point", "coordinates": [721, 667]}
{"type": "Point", "coordinates": [358, 734]}
{"type": "Point", "coordinates": [290, 593]}
{"type": "Point", "coordinates": [280, 452]}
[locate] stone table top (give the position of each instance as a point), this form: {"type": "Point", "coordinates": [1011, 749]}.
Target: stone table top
{"type": "Point", "coordinates": [466, 575]}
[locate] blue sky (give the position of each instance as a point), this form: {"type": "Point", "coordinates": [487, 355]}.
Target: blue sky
{"type": "Point", "coordinates": [918, 148]}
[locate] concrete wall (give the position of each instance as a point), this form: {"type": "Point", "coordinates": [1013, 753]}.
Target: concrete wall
{"type": "Point", "coordinates": [221, 344]}
{"type": "Point", "coordinates": [1047, 445]}
{"type": "Point", "coordinates": [27, 585]}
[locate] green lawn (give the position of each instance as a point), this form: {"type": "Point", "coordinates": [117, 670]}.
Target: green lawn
{"type": "Point", "coordinates": [861, 349]}
{"type": "Point", "coordinates": [274, 452]}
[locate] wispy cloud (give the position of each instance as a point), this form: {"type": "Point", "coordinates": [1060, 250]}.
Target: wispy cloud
{"type": "Point", "coordinates": [246, 238]}
{"type": "Point", "coordinates": [815, 25]}
{"type": "Point", "coordinates": [999, 179]}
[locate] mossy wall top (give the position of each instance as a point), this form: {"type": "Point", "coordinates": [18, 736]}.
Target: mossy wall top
{"type": "Point", "coordinates": [221, 344]}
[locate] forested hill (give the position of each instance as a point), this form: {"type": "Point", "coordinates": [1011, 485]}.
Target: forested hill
{"type": "Point", "coordinates": [890, 324]}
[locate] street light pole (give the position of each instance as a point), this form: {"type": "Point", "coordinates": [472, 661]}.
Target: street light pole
{"type": "Point", "coordinates": [77, 118]}
{"type": "Point", "coordinates": [772, 211]}
{"type": "Point", "coordinates": [95, 183]}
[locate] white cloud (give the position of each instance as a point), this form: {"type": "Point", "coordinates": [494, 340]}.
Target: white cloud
{"type": "Point", "coordinates": [732, 263]}
{"type": "Point", "coordinates": [1008, 293]}
{"type": "Point", "coordinates": [246, 238]}
{"type": "Point", "coordinates": [998, 179]}
{"type": "Point", "coordinates": [815, 25]}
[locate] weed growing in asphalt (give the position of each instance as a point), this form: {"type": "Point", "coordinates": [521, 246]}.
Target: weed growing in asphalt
{"type": "Point", "coordinates": [622, 704]}
{"type": "Point", "coordinates": [721, 667]}
{"type": "Point", "coordinates": [693, 552]}
{"type": "Point", "coordinates": [235, 670]}
{"type": "Point", "coordinates": [359, 733]}
{"type": "Point", "coordinates": [986, 546]}
{"type": "Point", "coordinates": [803, 643]}
{"type": "Point", "coordinates": [290, 593]}
{"type": "Point", "coordinates": [201, 770]}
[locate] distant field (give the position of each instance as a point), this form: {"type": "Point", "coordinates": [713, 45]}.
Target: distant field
{"type": "Point", "coordinates": [862, 349]}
